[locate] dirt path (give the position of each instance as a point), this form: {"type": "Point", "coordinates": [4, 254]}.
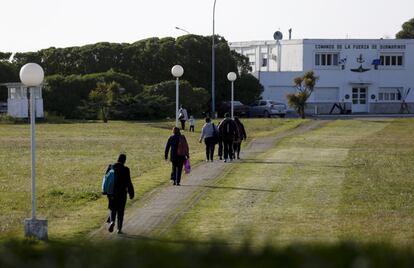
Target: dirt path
{"type": "Point", "coordinates": [155, 214]}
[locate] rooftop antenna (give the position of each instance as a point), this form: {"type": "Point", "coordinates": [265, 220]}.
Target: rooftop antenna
{"type": "Point", "coordinates": [290, 34]}
{"type": "Point", "coordinates": [278, 36]}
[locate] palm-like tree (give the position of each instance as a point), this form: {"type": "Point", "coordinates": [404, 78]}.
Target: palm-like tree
{"type": "Point", "coordinates": [305, 85]}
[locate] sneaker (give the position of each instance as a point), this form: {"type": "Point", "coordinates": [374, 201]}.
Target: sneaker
{"type": "Point", "coordinates": [120, 232]}
{"type": "Point", "coordinates": [221, 158]}
{"type": "Point", "coordinates": [178, 184]}
{"type": "Point", "coordinates": [225, 160]}
{"type": "Point", "coordinates": [111, 227]}
{"type": "Point", "coordinates": [174, 183]}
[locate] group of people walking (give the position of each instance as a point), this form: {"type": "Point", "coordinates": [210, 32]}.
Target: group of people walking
{"type": "Point", "coordinates": [228, 134]}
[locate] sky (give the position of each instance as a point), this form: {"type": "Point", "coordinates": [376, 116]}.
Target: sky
{"type": "Point", "coordinates": [31, 25]}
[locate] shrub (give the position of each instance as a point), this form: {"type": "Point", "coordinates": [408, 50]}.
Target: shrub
{"type": "Point", "coordinates": [7, 119]}
{"type": "Point", "coordinates": [63, 94]}
{"type": "Point", "coordinates": [194, 99]}
{"type": "Point", "coordinates": [143, 106]}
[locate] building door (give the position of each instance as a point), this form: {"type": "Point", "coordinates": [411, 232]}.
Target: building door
{"type": "Point", "coordinates": [359, 100]}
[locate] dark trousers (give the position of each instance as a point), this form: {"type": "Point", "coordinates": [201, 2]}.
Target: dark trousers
{"type": "Point", "coordinates": [182, 124]}
{"type": "Point", "coordinates": [236, 149]}
{"type": "Point", "coordinates": [177, 169]}
{"type": "Point", "coordinates": [192, 128]}
{"type": "Point", "coordinates": [210, 145]}
{"type": "Point", "coordinates": [228, 149]}
{"type": "Point", "coordinates": [220, 148]}
{"type": "Point", "coordinates": [116, 205]}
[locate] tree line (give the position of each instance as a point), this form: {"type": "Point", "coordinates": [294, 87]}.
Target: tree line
{"type": "Point", "coordinates": [140, 72]}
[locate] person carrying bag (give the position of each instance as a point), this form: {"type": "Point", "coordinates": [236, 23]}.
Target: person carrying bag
{"type": "Point", "coordinates": [178, 148]}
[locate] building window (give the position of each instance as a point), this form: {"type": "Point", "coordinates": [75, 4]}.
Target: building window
{"type": "Point", "coordinates": [326, 59]}
{"type": "Point", "coordinates": [252, 59]}
{"type": "Point", "coordinates": [389, 95]}
{"type": "Point", "coordinates": [264, 62]}
{"type": "Point", "coordinates": [392, 60]}
{"type": "Point", "coordinates": [12, 93]}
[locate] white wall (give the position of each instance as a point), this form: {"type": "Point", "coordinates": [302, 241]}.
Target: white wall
{"type": "Point", "coordinates": [277, 85]}
{"type": "Point", "coordinates": [292, 56]}
{"type": "Point", "coordinates": [18, 101]}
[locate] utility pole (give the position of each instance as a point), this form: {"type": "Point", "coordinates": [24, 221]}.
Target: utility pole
{"type": "Point", "coordinates": [213, 68]}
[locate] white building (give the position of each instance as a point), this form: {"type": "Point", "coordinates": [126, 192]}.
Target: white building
{"type": "Point", "coordinates": [18, 101]}
{"type": "Point", "coordinates": [367, 76]}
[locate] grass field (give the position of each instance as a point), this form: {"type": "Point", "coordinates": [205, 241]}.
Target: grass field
{"type": "Point", "coordinates": [71, 159]}
{"type": "Point", "coordinates": [349, 180]}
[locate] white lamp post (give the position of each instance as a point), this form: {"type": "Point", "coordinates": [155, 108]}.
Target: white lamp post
{"type": "Point", "coordinates": [213, 68]}
{"type": "Point", "coordinates": [31, 75]}
{"type": "Point", "coordinates": [232, 77]}
{"type": "Point", "coordinates": [177, 71]}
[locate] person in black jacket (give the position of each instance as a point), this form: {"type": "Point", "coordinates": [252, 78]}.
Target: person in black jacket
{"type": "Point", "coordinates": [228, 133]}
{"type": "Point", "coordinates": [240, 137]}
{"type": "Point", "coordinates": [220, 144]}
{"type": "Point", "coordinates": [176, 158]}
{"type": "Point", "coordinates": [122, 187]}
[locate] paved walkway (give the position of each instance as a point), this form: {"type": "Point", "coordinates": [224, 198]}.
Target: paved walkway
{"type": "Point", "coordinates": [157, 213]}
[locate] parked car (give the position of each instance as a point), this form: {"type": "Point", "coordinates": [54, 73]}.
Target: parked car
{"type": "Point", "coordinates": [3, 107]}
{"type": "Point", "coordinates": [267, 108]}
{"type": "Point", "coordinates": [239, 108]}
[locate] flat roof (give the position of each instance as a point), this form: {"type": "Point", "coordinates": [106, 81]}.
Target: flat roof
{"type": "Point", "coordinates": [311, 41]}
